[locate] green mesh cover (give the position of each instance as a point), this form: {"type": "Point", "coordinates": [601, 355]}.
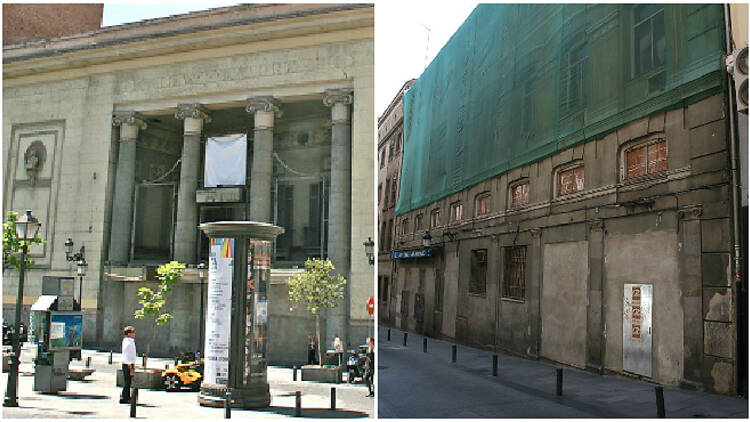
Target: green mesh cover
{"type": "Point", "coordinates": [517, 83]}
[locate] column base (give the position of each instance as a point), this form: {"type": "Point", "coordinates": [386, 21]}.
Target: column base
{"type": "Point", "coordinates": [253, 397]}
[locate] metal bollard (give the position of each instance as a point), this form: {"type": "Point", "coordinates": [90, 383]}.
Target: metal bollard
{"type": "Point", "coordinates": [389, 335]}
{"type": "Point", "coordinates": [144, 360]}
{"type": "Point", "coordinates": [294, 373]}
{"type": "Point", "coordinates": [494, 365]}
{"type": "Point", "coordinates": [228, 404]}
{"type": "Point", "coordinates": [110, 358]}
{"type": "Point", "coordinates": [333, 398]}
{"type": "Point", "coordinates": [424, 345]}
{"type": "Point", "coordinates": [133, 400]}
{"type": "Point", "coordinates": [297, 404]}
{"type": "Point", "coordinates": [453, 353]}
{"type": "Point", "coordinates": [405, 336]}
{"type": "Point", "coordinates": [660, 413]}
{"type": "Point", "coordinates": [88, 362]}
{"type": "Point", "coordinates": [166, 366]}
{"type": "Point", "coordinates": [558, 390]}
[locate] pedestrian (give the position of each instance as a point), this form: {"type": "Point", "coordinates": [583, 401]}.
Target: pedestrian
{"type": "Point", "coordinates": [339, 347]}
{"type": "Point", "coordinates": [311, 350]}
{"type": "Point", "coordinates": [128, 362]}
{"type": "Point", "coordinates": [370, 367]}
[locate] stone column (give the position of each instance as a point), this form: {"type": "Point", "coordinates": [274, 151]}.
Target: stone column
{"type": "Point", "coordinates": [339, 204]}
{"type": "Point", "coordinates": [264, 110]}
{"type": "Point", "coordinates": [186, 229]}
{"type": "Point", "coordinates": [691, 285]}
{"type": "Point", "coordinates": [595, 315]}
{"type": "Point", "coordinates": [122, 210]}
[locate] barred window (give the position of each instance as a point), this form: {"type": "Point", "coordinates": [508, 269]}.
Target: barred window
{"type": "Point", "coordinates": [482, 204]}
{"type": "Point", "coordinates": [515, 273]}
{"type": "Point", "coordinates": [478, 280]}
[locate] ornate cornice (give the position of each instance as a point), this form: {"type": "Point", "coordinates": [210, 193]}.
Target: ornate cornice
{"type": "Point", "coordinates": [264, 103]}
{"type": "Point", "coordinates": [129, 118]}
{"type": "Point", "coordinates": [692, 212]}
{"type": "Point", "coordinates": [193, 111]}
{"type": "Point", "coordinates": [335, 96]}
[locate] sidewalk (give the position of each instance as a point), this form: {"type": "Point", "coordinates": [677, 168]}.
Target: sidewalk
{"type": "Point", "coordinates": [414, 384]}
{"type": "Point", "coordinates": [97, 397]}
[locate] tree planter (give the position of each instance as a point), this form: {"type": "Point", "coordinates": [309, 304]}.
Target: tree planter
{"type": "Point", "coordinates": [144, 378]}
{"type": "Point", "coordinates": [321, 373]}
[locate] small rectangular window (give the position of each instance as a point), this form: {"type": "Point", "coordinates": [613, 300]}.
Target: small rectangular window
{"type": "Point", "coordinates": [478, 280]}
{"type": "Point", "coordinates": [570, 181]}
{"type": "Point", "coordinates": [519, 195]}
{"type": "Point", "coordinates": [515, 273]}
{"type": "Point", "coordinates": [482, 204]}
{"type": "Point", "coordinates": [434, 218]}
{"type": "Point", "coordinates": [457, 210]}
{"type": "Point", "coordinates": [649, 43]}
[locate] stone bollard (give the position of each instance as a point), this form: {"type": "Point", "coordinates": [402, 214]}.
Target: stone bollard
{"type": "Point", "coordinates": [133, 400]}
{"type": "Point", "coordinates": [297, 404]}
{"type": "Point", "coordinates": [453, 353]}
{"type": "Point", "coordinates": [660, 413]}
{"type": "Point", "coordinates": [333, 398]}
{"type": "Point", "coordinates": [558, 390]}
{"type": "Point", "coordinates": [494, 365]}
{"type": "Point", "coordinates": [228, 404]}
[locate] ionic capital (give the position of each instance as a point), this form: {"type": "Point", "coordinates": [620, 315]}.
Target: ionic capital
{"type": "Point", "coordinates": [264, 103]}
{"type": "Point", "coordinates": [129, 122]}
{"type": "Point", "coordinates": [691, 213]}
{"type": "Point", "coordinates": [596, 225]}
{"type": "Point", "coordinates": [338, 96]}
{"type": "Point", "coordinates": [192, 111]}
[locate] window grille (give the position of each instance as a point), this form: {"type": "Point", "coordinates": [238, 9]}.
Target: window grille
{"type": "Point", "coordinates": [515, 273]}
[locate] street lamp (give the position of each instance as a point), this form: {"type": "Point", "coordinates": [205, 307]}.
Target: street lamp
{"type": "Point", "coordinates": [27, 227]}
{"type": "Point", "coordinates": [81, 264]}
{"type": "Point", "coordinates": [426, 240]}
{"type": "Point", "coordinates": [369, 245]}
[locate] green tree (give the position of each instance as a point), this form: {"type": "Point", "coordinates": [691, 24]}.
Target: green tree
{"type": "Point", "coordinates": [152, 301]}
{"type": "Point", "coordinates": [12, 245]}
{"type": "Point", "coordinates": [318, 288]}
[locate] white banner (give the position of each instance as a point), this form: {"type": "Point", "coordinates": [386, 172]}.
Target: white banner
{"type": "Point", "coordinates": [226, 158]}
{"type": "Point", "coordinates": [219, 308]}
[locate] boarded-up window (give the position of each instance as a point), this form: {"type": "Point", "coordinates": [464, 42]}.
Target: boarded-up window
{"type": "Point", "coordinates": [515, 273]}
{"type": "Point", "coordinates": [457, 210]}
{"type": "Point", "coordinates": [434, 218]}
{"type": "Point", "coordinates": [478, 280]}
{"type": "Point", "coordinates": [482, 204]}
{"type": "Point", "coordinates": [647, 159]}
{"type": "Point", "coordinates": [570, 181]}
{"type": "Point", "coordinates": [519, 195]}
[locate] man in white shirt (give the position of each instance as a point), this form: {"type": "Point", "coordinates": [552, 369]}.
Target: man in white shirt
{"type": "Point", "coordinates": [128, 362]}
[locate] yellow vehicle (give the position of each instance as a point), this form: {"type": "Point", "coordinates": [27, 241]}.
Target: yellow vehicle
{"type": "Point", "coordinates": [187, 374]}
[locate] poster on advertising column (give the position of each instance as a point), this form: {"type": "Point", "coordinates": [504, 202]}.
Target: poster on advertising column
{"type": "Point", "coordinates": [219, 308]}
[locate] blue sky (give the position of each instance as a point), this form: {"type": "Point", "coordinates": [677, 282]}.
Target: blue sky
{"type": "Point", "coordinates": [119, 13]}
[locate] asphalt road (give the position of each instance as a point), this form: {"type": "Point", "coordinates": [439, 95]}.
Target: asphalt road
{"type": "Point", "coordinates": [414, 384]}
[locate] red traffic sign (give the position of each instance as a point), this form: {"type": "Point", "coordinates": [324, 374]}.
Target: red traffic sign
{"type": "Point", "coordinates": [371, 305]}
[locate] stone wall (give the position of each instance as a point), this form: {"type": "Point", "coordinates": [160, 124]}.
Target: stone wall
{"type": "Point", "coordinates": [29, 22]}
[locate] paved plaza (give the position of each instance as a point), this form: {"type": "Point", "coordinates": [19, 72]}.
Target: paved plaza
{"type": "Point", "coordinates": [523, 388]}
{"type": "Point", "coordinates": [97, 397]}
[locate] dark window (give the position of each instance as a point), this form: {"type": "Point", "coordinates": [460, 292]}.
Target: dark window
{"type": "Point", "coordinates": [515, 273]}
{"type": "Point", "coordinates": [394, 188]}
{"type": "Point", "coordinates": [478, 281]}
{"type": "Point", "coordinates": [649, 44]}
{"type": "Point", "coordinates": [382, 157]}
{"type": "Point", "coordinates": [391, 149]}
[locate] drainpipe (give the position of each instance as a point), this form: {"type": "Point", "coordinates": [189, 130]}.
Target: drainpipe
{"type": "Point", "coordinates": [733, 163]}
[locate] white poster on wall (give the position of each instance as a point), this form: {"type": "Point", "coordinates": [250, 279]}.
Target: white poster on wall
{"type": "Point", "coordinates": [225, 163]}
{"type": "Point", "coordinates": [218, 312]}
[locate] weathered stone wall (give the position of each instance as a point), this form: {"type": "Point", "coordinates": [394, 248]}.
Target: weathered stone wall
{"type": "Point", "coordinates": [29, 22]}
{"type": "Point", "coordinates": [671, 230]}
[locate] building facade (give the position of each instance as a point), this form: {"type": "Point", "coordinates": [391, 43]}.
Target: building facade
{"type": "Point", "coordinates": [593, 225]}
{"type": "Point", "coordinates": [146, 130]}
{"type": "Point", "coordinates": [390, 145]}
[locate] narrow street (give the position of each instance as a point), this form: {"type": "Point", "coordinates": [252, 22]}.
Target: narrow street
{"type": "Point", "coordinates": [414, 384]}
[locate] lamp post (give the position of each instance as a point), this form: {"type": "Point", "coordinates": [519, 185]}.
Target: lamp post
{"type": "Point", "coordinates": [369, 245]}
{"type": "Point", "coordinates": [27, 227]}
{"type": "Point", "coordinates": [81, 264]}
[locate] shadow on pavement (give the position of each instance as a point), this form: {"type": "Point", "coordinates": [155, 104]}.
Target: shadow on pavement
{"type": "Point", "coordinates": [72, 395]}
{"type": "Point", "coordinates": [315, 412]}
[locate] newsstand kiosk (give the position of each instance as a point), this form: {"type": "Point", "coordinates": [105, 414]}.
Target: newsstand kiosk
{"type": "Point", "coordinates": [57, 330]}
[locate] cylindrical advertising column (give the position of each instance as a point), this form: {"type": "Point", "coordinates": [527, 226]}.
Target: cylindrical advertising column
{"type": "Point", "coordinates": [237, 313]}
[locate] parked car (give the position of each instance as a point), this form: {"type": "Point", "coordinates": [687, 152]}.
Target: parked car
{"type": "Point", "coordinates": [188, 373]}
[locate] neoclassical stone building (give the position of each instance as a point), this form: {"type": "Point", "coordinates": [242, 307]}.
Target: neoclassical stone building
{"type": "Point", "coordinates": [256, 112]}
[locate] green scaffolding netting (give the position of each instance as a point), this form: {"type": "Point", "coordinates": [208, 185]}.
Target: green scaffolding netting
{"type": "Point", "coordinates": [518, 82]}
